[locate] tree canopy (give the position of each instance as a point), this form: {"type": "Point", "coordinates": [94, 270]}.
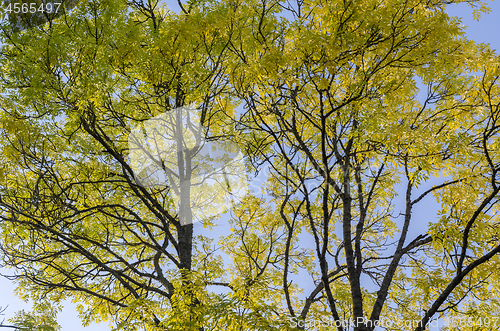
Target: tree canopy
{"type": "Point", "coordinates": [357, 112]}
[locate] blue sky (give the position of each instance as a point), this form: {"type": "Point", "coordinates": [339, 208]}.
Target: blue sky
{"type": "Point", "coordinates": [485, 31]}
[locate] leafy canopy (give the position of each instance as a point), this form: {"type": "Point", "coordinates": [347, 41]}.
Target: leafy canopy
{"type": "Point", "coordinates": [356, 111]}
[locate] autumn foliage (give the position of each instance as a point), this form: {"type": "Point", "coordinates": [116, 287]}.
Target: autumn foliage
{"type": "Point", "coordinates": [355, 115]}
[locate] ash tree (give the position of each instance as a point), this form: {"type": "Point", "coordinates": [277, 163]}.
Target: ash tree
{"type": "Point", "coordinates": [358, 113]}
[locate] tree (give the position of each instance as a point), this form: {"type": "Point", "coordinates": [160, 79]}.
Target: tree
{"type": "Point", "coordinates": [323, 95]}
{"type": "Point", "coordinates": [95, 231]}
{"type": "Point", "coordinates": [41, 319]}
{"type": "Point", "coordinates": [333, 112]}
